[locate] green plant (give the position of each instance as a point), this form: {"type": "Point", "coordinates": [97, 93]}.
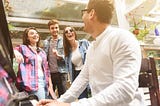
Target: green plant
{"type": "Point", "coordinates": [142, 33]}
{"type": "Point", "coordinates": [141, 29]}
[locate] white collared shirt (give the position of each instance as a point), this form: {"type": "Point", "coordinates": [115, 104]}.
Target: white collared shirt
{"type": "Point", "coordinates": [112, 67]}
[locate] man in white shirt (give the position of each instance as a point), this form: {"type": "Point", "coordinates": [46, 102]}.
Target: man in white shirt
{"type": "Point", "coordinates": [112, 63]}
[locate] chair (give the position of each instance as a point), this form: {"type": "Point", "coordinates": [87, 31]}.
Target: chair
{"type": "Point", "coordinates": [148, 79]}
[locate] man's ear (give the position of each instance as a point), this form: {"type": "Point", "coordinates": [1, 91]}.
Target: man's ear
{"type": "Point", "coordinates": [92, 14]}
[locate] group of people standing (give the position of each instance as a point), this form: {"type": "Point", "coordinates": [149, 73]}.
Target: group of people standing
{"type": "Point", "coordinates": [42, 71]}
{"type": "Point", "coordinates": [111, 67]}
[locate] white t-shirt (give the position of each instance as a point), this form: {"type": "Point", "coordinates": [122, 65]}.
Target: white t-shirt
{"type": "Point", "coordinates": [77, 59]}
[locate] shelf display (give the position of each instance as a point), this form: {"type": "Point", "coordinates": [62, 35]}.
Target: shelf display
{"type": "Point", "coordinates": [152, 50]}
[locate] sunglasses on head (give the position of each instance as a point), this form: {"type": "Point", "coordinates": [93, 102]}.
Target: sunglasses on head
{"type": "Point", "coordinates": [70, 30]}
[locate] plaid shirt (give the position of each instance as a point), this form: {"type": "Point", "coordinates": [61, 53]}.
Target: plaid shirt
{"type": "Point", "coordinates": [3, 90]}
{"type": "Point", "coordinates": [27, 76]}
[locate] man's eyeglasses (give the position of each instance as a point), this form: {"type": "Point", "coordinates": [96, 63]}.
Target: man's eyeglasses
{"type": "Point", "coordinates": [82, 11]}
{"type": "Point", "coordinates": [67, 31]}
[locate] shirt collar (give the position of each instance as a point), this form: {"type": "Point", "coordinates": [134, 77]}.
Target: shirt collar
{"type": "Point", "coordinates": [100, 37]}
{"type": "Point", "coordinates": [58, 37]}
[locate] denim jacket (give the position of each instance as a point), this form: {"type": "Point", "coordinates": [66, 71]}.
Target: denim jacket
{"type": "Point", "coordinates": [46, 46]}
{"type": "Point", "coordinates": [83, 46]}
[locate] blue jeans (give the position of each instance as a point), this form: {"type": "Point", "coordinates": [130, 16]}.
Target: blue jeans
{"type": "Point", "coordinates": [41, 92]}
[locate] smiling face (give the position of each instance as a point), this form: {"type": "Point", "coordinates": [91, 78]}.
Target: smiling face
{"type": "Point", "coordinates": [69, 37]}
{"type": "Point", "coordinates": [54, 30]}
{"type": "Point", "coordinates": [33, 36]}
{"type": "Point", "coordinates": [70, 34]}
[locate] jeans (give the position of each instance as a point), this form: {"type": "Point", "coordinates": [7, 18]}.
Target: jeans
{"type": "Point", "coordinates": [41, 92]}
{"type": "Point", "coordinates": [59, 81]}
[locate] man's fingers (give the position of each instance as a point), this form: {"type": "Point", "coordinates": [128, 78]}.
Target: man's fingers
{"type": "Point", "coordinates": [45, 101]}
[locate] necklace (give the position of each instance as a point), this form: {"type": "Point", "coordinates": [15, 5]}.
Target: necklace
{"type": "Point", "coordinates": [34, 48]}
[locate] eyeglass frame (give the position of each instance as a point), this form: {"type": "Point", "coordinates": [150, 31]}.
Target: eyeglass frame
{"type": "Point", "coordinates": [82, 11]}
{"type": "Point", "coordinates": [67, 31]}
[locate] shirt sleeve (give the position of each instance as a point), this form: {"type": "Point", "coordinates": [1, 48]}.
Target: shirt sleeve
{"type": "Point", "coordinates": [125, 55]}
{"type": "Point", "coordinates": [125, 80]}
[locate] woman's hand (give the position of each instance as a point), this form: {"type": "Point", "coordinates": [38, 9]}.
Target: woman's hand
{"type": "Point", "coordinates": [18, 56]}
{"type": "Point", "coordinates": [52, 93]}
{"type": "Point", "coordinates": [55, 52]}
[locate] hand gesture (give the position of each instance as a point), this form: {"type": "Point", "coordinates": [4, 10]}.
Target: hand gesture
{"type": "Point", "coordinates": [18, 56]}
{"type": "Point", "coordinates": [49, 102]}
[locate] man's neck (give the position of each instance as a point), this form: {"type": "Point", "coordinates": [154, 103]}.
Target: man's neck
{"type": "Point", "coordinates": [55, 37]}
{"type": "Point", "coordinates": [99, 29]}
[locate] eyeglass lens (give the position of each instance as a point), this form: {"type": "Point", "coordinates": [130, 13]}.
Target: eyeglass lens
{"type": "Point", "coordinates": [82, 11]}
{"type": "Point", "coordinates": [70, 30]}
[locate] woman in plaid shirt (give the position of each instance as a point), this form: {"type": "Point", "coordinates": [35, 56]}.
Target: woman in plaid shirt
{"type": "Point", "coordinates": [33, 73]}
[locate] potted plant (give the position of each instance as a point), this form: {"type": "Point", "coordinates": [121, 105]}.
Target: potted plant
{"type": "Point", "coordinates": [140, 29]}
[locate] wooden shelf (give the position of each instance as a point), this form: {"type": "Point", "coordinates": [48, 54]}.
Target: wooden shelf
{"type": "Point", "coordinates": [151, 48]}
{"type": "Point", "coordinates": [157, 58]}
